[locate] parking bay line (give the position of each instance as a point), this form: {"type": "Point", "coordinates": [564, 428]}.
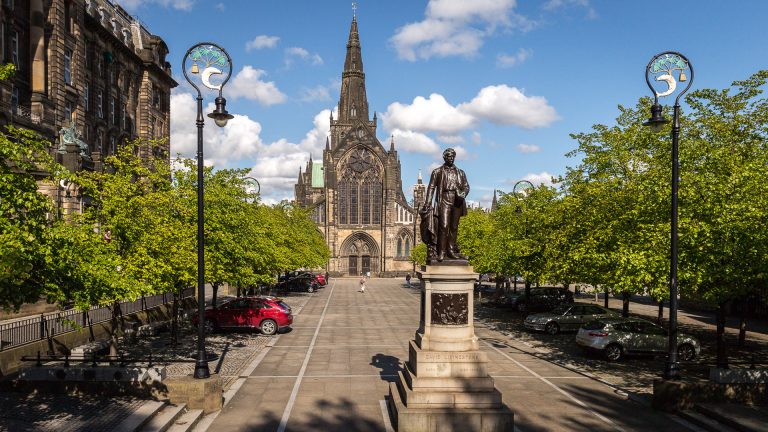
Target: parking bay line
{"type": "Point", "coordinates": [558, 389]}
{"type": "Point", "coordinates": [292, 399]}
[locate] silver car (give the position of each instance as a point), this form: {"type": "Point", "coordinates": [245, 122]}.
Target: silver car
{"type": "Point", "coordinates": [565, 317]}
{"type": "Point", "coordinates": [616, 337]}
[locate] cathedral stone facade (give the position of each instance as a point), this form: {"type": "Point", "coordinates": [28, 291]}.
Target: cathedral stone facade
{"type": "Point", "coordinates": [356, 191]}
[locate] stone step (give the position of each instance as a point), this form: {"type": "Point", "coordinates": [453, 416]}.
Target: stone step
{"type": "Point", "coordinates": [164, 418]}
{"type": "Point", "coordinates": [449, 399]}
{"type": "Point", "coordinates": [703, 422]}
{"type": "Point", "coordinates": [140, 417]}
{"type": "Point", "coordinates": [741, 418]}
{"type": "Point", "coordinates": [187, 421]}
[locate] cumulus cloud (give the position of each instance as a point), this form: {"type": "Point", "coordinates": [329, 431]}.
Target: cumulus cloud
{"type": "Point", "coordinates": [543, 177]}
{"type": "Point", "coordinates": [498, 104]}
{"type": "Point", "coordinates": [554, 5]}
{"type": "Point", "coordinates": [455, 28]}
{"type": "Point", "coordinates": [509, 60]}
{"type": "Point", "coordinates": [297, 53]}
{"type": "Point", "coordinates": [261, 41]}
{"type": "Point", "coordinates": [249, 85]}
{"type": "Point", "coordinates": [434, 114]}
{"type": "Point", "coordinates": [528, 148]}
{"type": "Point", "coordinates": [476, 138]}
{"type": "Point", "coordinates": [415, 142]}
{"type": "Point", "coordinates": [275, 165]}
{"type": "Point", "coordinates": [505, 105]}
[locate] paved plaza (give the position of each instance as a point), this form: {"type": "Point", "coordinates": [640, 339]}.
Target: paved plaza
{"type": "Point", "coordinates": [332, 371]}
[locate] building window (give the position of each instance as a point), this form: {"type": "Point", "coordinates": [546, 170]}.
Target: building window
{"type": "Point", "coordinates": [2, 41]}
{"type": "Point", "coordinates": [354, 210]}
{"type": "Point", "coordinates": [112, 146]}
{"type": "Point", "coordinates": [376, 203]}
{"type": "Point", "coordinates": [360, 191]}
{"type": "Point", "coordinates": [68, 66]}
{"type": "Point", "coordinates": [399, 247]}
{"type": "Point", "coordinates": [99, 105]}
{"type": "Point", "coordinates": [404, 245]}
{"type": "Point", "coordinates": [123, 117]}
{"type": "Point", "coordinates": [112, 110]}
{"type": "Point", "coordinates": [68, 16]}
{"type": "Point", "coordinates": [68, 111]}
{"type": "Point", "coordinates": [151, 126]}
{"type": "Point", "coordinates": [15, 48]}
{"type": "Point", "coordinates": [15, 100]}
{"type": "Point", "coordinates": [365, 203]}
{"type": "Point", "coordinates": [86, 97]}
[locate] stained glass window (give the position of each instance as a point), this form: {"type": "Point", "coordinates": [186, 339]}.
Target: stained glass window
{"type": "Point", "coordinates": [376, 207]}
{"type": "Point", "coordinates": [365, 203]}
{"type": "Point", "coordinates": [354, 208]}
{"type": "Point", "coordinates": [344, 202]}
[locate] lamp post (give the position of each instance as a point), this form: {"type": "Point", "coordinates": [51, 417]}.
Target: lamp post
{"type": "Point", "coordinates": [214, 61]}
{"type": "Point", "coordinates": [256, 183]}
{"type": "Point", "coordinates": [413, 204]}
{"type": "Point", "coordinates": [663, 68]}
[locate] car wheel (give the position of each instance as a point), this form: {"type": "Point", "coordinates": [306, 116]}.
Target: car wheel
{"type": "Point", "coordinates": [310, 289]}
{"type": "Point", "coordinates": [210, 326]}
{"type": "Point", "coordinates": [268, 327]}
{"type": "Point", "coordinates": [552, 328]}
{"type": "Point", "coordinates": [686, 352]}
{"type": "Point", "coordinates": [613, 352]}
{"type": "Point", "coordinates": [522, 307]}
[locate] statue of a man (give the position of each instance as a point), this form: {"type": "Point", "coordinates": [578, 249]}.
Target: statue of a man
{"type": "Point", "coordinates": [440, 223]}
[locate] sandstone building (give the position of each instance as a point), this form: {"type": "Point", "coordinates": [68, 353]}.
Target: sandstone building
{"type": "Point", "coordinates": [356, 190]}
{"type": "Point", "coordinates": [89, 78]}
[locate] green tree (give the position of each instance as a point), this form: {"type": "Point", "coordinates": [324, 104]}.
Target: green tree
{"type": "Point", "coordinates": [25, 216]}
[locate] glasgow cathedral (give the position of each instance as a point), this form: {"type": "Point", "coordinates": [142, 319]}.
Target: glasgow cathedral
{"type": "Point", "coordinates": [356, 190]}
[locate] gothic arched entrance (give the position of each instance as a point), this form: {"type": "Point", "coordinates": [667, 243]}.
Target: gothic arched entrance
{"type": "Point", "coordinates": [360, 254]}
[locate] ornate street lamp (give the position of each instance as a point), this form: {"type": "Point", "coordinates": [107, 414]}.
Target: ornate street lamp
{"type": "Point", "coordinates": [213, 60]}
{"type": "Point", "coordinates": [519, 209]}
{"type": "Point", "coordinates": [256, 184]}
{"type": "Point", "coordinates": [663, 67]}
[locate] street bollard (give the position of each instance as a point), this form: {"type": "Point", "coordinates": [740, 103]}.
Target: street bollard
{"type": "Point", "coordinates": [42, 326]}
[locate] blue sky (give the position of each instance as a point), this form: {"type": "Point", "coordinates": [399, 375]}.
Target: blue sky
{"type": "Point", "coordinates": [504, 81]}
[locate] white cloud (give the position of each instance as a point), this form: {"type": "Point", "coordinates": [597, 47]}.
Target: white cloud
{"type": "Point", "coordinates": [248, 84]}
{"type": "Point", "coordinates": [221, 7]}
{"type": "Point", "coordinates": [543, 177]}
{"type": "Point", "coordinates": [175, 4]}
{"type": "Point", "coordinates": [275, 165]}
{"type": "Point", "coordinates": [498, 104]}
{"type": "Point", "coordinates": [451, 139]}
{"type": "Point", "coordinates": [528, 148]}
{"type": "Point", "coordinates": [461, 153]}
{"type": "Point", "coordinates": [415, 142]}
{"type": "Point", "coordinates": [509, 60]}
{"type": "Point", "coordinates": [434, 114]}
{"type": "Point", "coordinates": [262, 41]}
{"type": "Point", "coordinates": [455, 28]}
{"type": "Point", "coordinates": [293, 53]}
{"type": "Point", "coordinates": [509, 106]}
{"type": "Point", "coordinates": [317, 93]}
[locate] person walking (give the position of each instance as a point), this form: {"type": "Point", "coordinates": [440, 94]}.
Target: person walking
{"type": "Point", "coordinates": [362, 285]}
{"type": "Point", "coordinates": [408, 280]}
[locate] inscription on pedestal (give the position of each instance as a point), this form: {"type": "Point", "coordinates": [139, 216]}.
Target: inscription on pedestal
{"type": "Point", "coordinates": [450, 309]}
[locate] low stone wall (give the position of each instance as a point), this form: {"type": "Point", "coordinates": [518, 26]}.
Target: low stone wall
{"type": "Point", "coordinates": [10, 360]}
{"type": "Point", "coordinates": [673, 396]}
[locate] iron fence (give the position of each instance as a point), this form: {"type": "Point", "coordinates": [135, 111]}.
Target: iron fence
{"type": "Point", "coordinates": [28, 330]}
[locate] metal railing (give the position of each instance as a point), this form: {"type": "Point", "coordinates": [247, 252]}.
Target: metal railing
{"type": "Point", "coordinates": [29, 330]}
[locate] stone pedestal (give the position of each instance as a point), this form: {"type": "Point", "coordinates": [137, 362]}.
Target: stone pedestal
{"type": "Point", "coordinates": [445, 385]}
{"type": "Point", "coordinates": [205, 394]}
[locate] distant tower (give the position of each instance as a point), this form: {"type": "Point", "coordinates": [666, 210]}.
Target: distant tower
{"type": "Point", "coordinates": [494, 203]}
{"type": "Point", "coordinates": [419, 191]}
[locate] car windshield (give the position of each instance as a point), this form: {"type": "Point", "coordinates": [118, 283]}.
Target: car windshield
{"type": "Point", "coordinates": [561, 309]}
{"type": "Point", "coordinates": [594, 325]}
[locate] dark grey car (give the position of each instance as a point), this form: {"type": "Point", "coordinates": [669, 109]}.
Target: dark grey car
{"type": "Point", "coordinates": [566, 317]}
{"type": "Point", "coordinates": [616, 337]}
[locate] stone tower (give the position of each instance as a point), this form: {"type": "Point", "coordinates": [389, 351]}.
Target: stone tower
{"type": "Point", "coordinates": [356, 191]}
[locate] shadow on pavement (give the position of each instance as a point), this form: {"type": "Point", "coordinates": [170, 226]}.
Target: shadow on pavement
{"type": "Point", "coordinates": [389, 366]}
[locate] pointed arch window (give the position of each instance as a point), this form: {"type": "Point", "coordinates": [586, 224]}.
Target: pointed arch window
{"type": "Point", "coordinates": [404, 245]}
{"type": "Point", "coordinates": [360, 190]}
{"type": "Point", "coordinates": [353, 111]}
{"type": "Point", "coordinates": [399, 246]}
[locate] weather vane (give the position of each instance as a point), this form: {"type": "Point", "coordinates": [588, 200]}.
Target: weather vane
{"type": "Point", "coordinates": [354, 9]}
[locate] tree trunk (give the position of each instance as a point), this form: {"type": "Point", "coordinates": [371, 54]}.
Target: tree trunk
{"type": "Point", "coordinates": [175, 319]}
{"type": "Point", "coordinates": [660, 317]}
{"type": "Point", "coordinates": [606, 297]}
{"type": "Point", "coordinates": [625, 295]}
{"type": "Point", "coordinates": [113, 332]}
{"type": "Point", "coordinates": [215, 293]}
{"type": "Point", "coordinates": [722, 355]}
{"type": "Point", "coordinates": [743, 322]}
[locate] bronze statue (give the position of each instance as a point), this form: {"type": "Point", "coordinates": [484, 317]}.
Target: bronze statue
{"type": "Point", "coordinates": [440, 223]}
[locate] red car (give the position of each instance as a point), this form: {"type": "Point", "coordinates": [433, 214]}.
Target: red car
{"type": "Point", "coordinates": [320, 278]}
{"type": "Point", "coordinates": [268, 314]}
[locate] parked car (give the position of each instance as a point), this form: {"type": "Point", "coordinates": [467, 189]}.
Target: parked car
{"type": "Point", "coordinates": [320, 278]}
{"type": "Point", "coordinates": [268, 314]}
{"type": "Point", "coordinates": [566, 317]}
{"type": "Point", "coordinates": [617, 337]}
{"type": "Point", "coordinates": [305, 282]}
{"type": "Point", "coordinates": [290, 275]}
{"type": "Point", "coordinates": [541, 299]}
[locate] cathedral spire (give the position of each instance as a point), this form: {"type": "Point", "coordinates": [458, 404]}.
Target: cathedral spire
{"type": "Point", "coordinates": [494, 203]}
{"type": "Point", "coordinates": [301, 178]}
{"type": "Point", "coordinates": [327, 143]}
{"type": "Point", "coordinates": [419, 180]}
{"type": "Point", "coordinates": [353, 102]}
{"type": "Point", "coordinates": [392, 143]}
